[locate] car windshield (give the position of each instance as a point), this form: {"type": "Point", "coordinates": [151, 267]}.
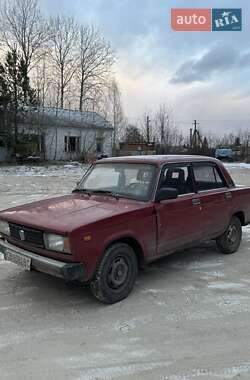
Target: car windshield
{"type": "Point", "coordinates": [120, 179]}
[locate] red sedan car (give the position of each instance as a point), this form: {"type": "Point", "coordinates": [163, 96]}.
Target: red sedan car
{"type": "Point", "coordinates": [124, 213]}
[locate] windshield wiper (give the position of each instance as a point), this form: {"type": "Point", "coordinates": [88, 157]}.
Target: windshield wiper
{"type": "Point", "coordinates": [90, 192]}
{"type": "Point", "coordinates": [82, 191]}
{"type": "Point", "coordinates": [105, 192]}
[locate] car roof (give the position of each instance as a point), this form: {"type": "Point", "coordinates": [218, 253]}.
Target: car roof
{"type": "Point", "coordinates": [158, 159]}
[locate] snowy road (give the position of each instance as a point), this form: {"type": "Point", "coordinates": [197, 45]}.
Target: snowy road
{"type": "Point", "coordinates": [187, 319]}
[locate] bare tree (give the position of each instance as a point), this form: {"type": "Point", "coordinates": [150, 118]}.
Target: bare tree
{"type": "Point", "coordinates": [117, 112]}
{"type": "Point", "coordinates": [23, 28]}
{"type": "Point", "coordinates": [133, 134]}
{"type": "Point", "coordinates": [165, 130]}
{"type": "Point", "coordinates": [112, 110]}
{"type": "Point", "coordinates": [63, 37]}
{"type": "Point", "coordinates": [95, 62]}
{"type": "Point", "coordinates": [163, 123]}
{"type": "Point", "coordinates": [42, 79]}
{"type": "Point", "coordinates": [88, 144]}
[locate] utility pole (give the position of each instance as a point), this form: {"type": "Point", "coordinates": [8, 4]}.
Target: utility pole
{"type": "Point", "coordinates": [195, 133]}
{"type": "Point", "coordinates": [191, 138]}
{"type": "Point", "coordinates": [148, 129]}
{"type": "Point", "coordinates": [196, 139]}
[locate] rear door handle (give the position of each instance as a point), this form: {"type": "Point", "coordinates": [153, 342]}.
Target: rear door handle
{"type": "Point", "coordinates": [196, 202]}
{"type": "Point", "coordinates": [228, 195]}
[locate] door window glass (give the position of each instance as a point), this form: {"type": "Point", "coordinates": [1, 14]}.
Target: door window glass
{"type": "Point", "coordinates": [177, 177]}
{"type": "Point", "coordinates": [207, 177]}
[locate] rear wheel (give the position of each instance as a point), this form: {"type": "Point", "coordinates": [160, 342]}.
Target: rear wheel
{"type": "Point", "coordinates": [230, 241]}
{"type": "Point", "coordinates": [116, 274]}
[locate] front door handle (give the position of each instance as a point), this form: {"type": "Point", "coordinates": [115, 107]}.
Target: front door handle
{"type": "Point", "coordinates": [228, 195]}
{"type": "Point", "coordinates": [196, 202]}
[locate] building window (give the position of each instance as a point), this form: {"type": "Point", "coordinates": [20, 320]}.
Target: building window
{"type": "Point", "coordinates": [72, 144]}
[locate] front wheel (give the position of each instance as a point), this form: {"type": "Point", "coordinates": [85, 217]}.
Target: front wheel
{"type": "Point", "coordinates": [116, 274]}
{"type": "Point", "coordinates": [230, 241]}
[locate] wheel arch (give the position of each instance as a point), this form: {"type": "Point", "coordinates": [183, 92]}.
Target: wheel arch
{"type": "Point", "coordinates": [133, 243]}
{"type": "Point", "coordinates": [241, 216]}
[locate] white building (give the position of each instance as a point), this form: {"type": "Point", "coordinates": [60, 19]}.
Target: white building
{"type": "Point", "coordinates": [66, 134]}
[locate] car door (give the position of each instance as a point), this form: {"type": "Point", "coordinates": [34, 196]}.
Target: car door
{"type": "Point", "coordinates": [214, 196]}
{"type": "Point", "coordinates": [179, 221]}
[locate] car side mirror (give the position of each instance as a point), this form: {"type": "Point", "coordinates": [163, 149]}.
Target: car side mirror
{"type": "Point", "coordinates": [166, 193]}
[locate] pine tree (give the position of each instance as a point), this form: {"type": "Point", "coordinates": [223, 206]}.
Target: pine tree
{"type": "Point", "coordinates": [15, 89]}
{"type": "Point", "coordinates": [5, 96]}
{"type": "Point", "coordinates": [5, 100]}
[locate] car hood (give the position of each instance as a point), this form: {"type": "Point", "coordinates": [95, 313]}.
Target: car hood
{"type": "Point", "coordinates": [67, 213]}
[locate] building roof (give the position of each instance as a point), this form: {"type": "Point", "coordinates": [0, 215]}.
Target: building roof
{"type": "Point", "coordinates": [159, 159]}
{"type": "Point", "coordinates": [66, 117]}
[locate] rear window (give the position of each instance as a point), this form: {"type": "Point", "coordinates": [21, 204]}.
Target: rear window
{"type": "Point", "coordinates": [207, 177]}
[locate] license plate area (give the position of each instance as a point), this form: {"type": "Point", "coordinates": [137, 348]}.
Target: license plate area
{"type": "Point", "coordinates": [16, 258]}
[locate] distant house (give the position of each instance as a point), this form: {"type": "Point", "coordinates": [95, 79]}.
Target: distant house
{"type": "Point", "coordinates": [136, 149]}
{"type": "Point", "coordinates": [61, 134]}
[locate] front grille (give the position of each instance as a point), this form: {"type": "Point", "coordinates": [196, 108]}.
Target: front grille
{"type": "Point", "coordinates": [27, 235]}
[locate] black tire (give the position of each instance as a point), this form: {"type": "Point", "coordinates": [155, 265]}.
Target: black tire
{"type": "Point", "coordinates": [230, 241]}
{"type": "Point", "coordinates": [115, 275]}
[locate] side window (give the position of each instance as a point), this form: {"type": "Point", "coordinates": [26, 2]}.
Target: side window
{"type": "Point", "coordinates": [207, 177]}
{"type": "Point", "coordinates": [177, 177]}
{"type": "Point", "coordinates": [218, 178]}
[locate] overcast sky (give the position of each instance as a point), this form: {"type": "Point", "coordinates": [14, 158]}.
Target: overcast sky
{"type": "Point", "coordinates": [202, 75]}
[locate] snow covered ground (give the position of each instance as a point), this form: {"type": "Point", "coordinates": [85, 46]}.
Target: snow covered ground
{"type": "Point", "coordinates": [187, 319]}
{"type": "Point", "coordinates": [240, 172]}
{"type": "Point", "coordinates": [237, 165]}
{"type": "Point", "coordinates": [73, 168]}
{"type": "Point", "coordinates": [21, 184]}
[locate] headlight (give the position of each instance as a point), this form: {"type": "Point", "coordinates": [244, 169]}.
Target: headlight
{"type": "Point", "coordinates": [57, 243]}
{"type": "Point", "coordinates": [4, 228]}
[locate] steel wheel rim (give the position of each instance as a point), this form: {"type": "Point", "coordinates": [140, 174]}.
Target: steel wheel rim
{"type": "Point", "coordinates": [232, 234]}
{"type": "Point", "coordinates": [118, 273]}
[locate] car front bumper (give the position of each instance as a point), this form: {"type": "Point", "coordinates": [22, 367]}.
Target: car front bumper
{"type": "Point", "coordinates": [69, 272]}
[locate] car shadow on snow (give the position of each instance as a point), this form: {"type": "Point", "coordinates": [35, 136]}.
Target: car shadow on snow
{"type": "Point", "coordinates": [44, 289]}
{"type": "Point", "coordinates": [205, 252]}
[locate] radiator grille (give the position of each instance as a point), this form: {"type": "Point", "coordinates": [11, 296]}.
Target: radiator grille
{"type": "Point", "coordinates": [27, 235]}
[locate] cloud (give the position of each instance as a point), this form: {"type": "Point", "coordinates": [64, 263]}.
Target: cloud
{"type": "Point", "coordinates": [217, 60]}
{"type": "Point", "coordinates": [203, 75]}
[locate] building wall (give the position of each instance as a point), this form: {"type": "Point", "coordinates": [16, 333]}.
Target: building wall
{"type": "Point", "coordinates": [107, 143]}
{"type": "Point", "coordinates": [54, 141]}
